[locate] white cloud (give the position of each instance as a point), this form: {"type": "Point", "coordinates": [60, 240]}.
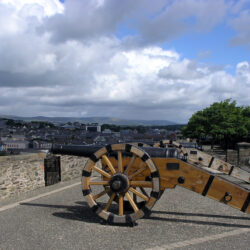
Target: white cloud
{"type": "Point", "coordinates": [184, 70]}
{"type": "Point", "coordinates": [100, 75]}
{"type": "Point", "coordinates": [241, 24]}
{"type": "Point", "coordinates": [39, 8]}
{"type": "Point", "coordinates": [243, 72]}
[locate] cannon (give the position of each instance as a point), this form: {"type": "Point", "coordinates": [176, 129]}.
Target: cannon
{"type": "Point", "coordinates": [195, 156]}
{"type": "Point", "coordinates": [122, 182]}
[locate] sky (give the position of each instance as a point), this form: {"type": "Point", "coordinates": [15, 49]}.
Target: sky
{"type": "Point", "coordinates": [143, 59]}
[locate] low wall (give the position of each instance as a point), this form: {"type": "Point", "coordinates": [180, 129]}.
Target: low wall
{"type": "Point", "coordinates": [22, 173]}
{"type": "Point", "coordinates": [244, 154]}
{"type": "Point", "coordinates": [71, 167]}
{"type": "Point", "coordinates": [241, 156]}
{"type": "Point", "coordinates": [232, 157]}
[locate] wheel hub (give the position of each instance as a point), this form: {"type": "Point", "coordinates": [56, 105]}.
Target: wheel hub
{"type": "Point", "coordinates": [119, 183]}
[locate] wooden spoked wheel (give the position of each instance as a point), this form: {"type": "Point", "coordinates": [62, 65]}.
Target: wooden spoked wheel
{"type": "Point", "coordinates": [124, 181]}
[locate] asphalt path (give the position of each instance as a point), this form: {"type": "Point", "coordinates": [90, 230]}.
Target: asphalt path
{"type": "Point", "coordinates": [58, 218]}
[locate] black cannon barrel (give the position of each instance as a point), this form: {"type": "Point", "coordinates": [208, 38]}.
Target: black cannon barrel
{"type": "Point", "coordinates": [77, 150]}
{"type": "Point", "coordinates": [88, 150]}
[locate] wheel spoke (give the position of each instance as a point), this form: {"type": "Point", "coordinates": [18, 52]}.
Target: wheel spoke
{"type": "Point", "coordinates": [110, 202]}
{"type": "Point", "coordinates": [135, 192]}
{"type": "Point", "coordinates": [101, 194]}
{"type": "Point", "coordinates": [130, 164]}
{"type": "Point", "coordinates": [141, 184]}
{"type": "Point", "coordinates": [138, 172]}
{"type": "Point", "coordinates": [102, 172]}
{"type": "Point", "coordinates": [134, 197]}
{"type": "Point", "coordinates": [144, 192]}
{"type": "Point", "coordinates": [121, 204]}
{"type": "Point", "coordinates": [120, 167]}
{"type": "Point", "coordinates": [98, 183]}
{"type": "Point", "coordinates": [132, 203]}
{"type": "Point", "coordinates": [109, 164]}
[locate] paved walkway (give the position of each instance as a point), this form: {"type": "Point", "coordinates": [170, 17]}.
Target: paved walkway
{"type": "Point", "coordinates": [57, 217]}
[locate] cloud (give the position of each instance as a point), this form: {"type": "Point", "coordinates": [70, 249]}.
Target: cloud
{"type": "Point", "coordinates": [88, 19]}
{"type": "Point", "coordinates": [67, 61]}
{"type": "Point", "coordinates": [180, 17]}
{"type": "Point", "coordinates": [204, 54]}
{"type": "Point", "coordinates": [153, 21]}
{"type": "Point", "coordinates": [243, 72]}
{"type": "Point", "coordinates": [241, 25]}
{"type": "Point", "coordinates": [184, 70]}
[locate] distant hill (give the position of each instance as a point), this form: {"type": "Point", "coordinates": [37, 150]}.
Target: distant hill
{"type": "Point", "coordinates": [100, 120]}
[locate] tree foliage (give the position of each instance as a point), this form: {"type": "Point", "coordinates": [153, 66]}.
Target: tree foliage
{"type": "Point", "coordinates": [223, 122]}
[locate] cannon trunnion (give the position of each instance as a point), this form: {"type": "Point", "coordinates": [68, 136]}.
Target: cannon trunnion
{"type": "Point", "coordinates": [122, 182]}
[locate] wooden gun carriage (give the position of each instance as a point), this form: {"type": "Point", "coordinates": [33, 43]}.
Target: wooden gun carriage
{"type": "Point", "coordinates": [122, 182]}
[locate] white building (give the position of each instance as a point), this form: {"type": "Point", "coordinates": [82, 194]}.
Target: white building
{"type": "Point", "coordinates": [15, 145]}
{"type": "Point", "coordinates": [93, 128]}
{"type": "Point", "coordinates": [42, 144]}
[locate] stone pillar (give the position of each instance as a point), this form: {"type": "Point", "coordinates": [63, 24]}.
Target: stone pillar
{"type": "Point", "coordinates": [244, 154]}
{"type": "Point", "coordinates": [232, 157]}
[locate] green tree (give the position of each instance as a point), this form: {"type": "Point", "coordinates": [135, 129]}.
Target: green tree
{"type": "Point", "coordinates": [222, 122]}
{"type": "Point", "coordinates": [11, 123]}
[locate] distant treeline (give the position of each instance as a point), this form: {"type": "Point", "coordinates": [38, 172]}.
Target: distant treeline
{"type": "Point", "coordinates": [40, 124]}
{"type": "Point", "coordinates": [140, 128]}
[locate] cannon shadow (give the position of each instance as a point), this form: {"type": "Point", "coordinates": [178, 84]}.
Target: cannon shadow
{"type": "Point", "coordinates": [82, 212]}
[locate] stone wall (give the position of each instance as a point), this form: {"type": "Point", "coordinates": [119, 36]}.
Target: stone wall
{"type": "Point", "coordinates": [22, 173]}
{"type": "Point", "coordinates": [71, 167]}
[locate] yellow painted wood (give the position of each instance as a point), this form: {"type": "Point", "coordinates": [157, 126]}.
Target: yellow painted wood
{"type": "Point", "coordinates": [95, 197]}
{"type": "Point", "coordinates": [144, 197]}
{"type": "Point", "coordinates": [116, 147]}
{"type": "Point", "coordinates": [151, 202]}
{"type": "Point", "coordinates": [141, 184]}
{"type": "Point", "coordinates": [203, 159]}
{"type": "Point", "coordinates": [132, 203]}
{"type": "Point", "coordinates": [218, 189]}
{"type": "Point", "coordinates": [196, 180]}
{"type": "Point", "coordinates": [109, 164]}
{"type": "Point", "coordinates": [88, 165]}
{"type": "Point", "coordinates": [140, 170]}
{"type": "Point", "coordinates": [85, 182]}
{"type": "Point", "coordinates": [137, 151]}
{"type": "Point", "coordinates": [120, 166]}
{"type": "Point", "coordinates": [130, 164]}
{"type": "Point", "coordinates": [121, 204]}
{"type": "Point", "coordinates": [102, 172]}
{"type": "Point", "coordinates": [110, 202]}
{"type": "Point", "coordinates": [100, 152]}
{"type": "Point", "coordinates": [144, 192]}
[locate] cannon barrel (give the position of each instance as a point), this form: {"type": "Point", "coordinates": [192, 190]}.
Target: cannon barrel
{"type": "Point", "coordinates": [88, 150]}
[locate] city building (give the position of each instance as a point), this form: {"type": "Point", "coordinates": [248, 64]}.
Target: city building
{"type": "Point", "coordinates": [11, 144]}
{"type": "Point", "coordinates": [93, 127]}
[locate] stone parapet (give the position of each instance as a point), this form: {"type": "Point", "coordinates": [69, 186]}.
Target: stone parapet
{"type": "Point", "coordinates": [22, 173]}
{"type": "Point", "coordinates": [71, 167]}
